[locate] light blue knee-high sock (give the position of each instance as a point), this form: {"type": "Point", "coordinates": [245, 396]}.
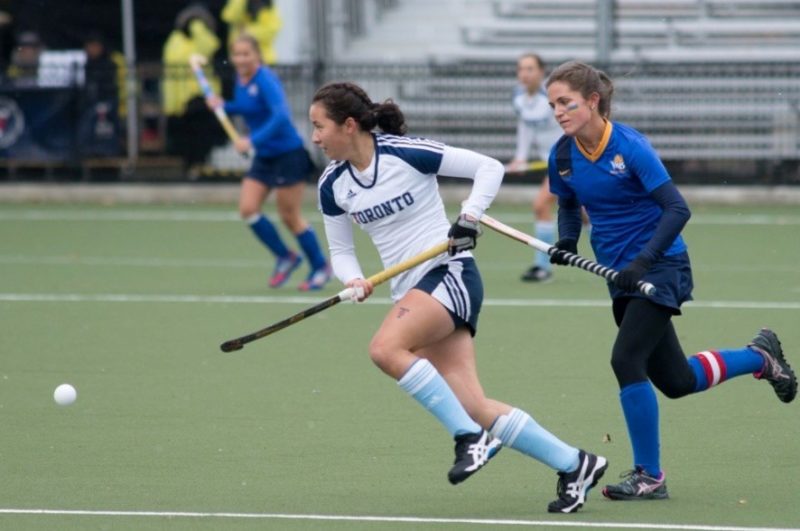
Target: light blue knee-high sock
{"type": "Point", "coordinates": [519, 431]}
{"type": "Point", "coordinates": [266, 232]}
{"type": "Point", "coordinates": [545, 231]}
{"type": "Point", "coordinates": [424, 383]}
{"type": "Point", "coordinates": [640, 407]}
{"type": "Point", "coordinates": [712, 367]}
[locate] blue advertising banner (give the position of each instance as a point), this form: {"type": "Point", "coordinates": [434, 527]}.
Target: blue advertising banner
{"type": "Point", "coordinates": [38, 123]}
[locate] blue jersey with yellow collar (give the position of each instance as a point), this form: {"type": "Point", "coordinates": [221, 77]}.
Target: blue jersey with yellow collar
{"type": "Point", "coordinates": [614, 185]}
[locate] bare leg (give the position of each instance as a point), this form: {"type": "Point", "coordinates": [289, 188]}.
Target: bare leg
{"type": "Point", "coordinates": [545, 230]}
{"type": "Point", "coordinates": [544, 202]}
{"type": "Point", "coordinates": [415, 321]}
{"type": "Point", "coordinates": [454, 358]}
{"type": "Point", "coordinates": [252, 195]}
{"type": "Point", "coordinates": [289, 201]}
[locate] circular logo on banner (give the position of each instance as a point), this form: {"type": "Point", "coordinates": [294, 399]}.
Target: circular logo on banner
{"type": "Point", "coordinates": [12, 122]}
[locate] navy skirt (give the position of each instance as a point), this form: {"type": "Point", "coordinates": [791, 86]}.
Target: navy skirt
{"type": "Point", "coordinates": [672, 277]}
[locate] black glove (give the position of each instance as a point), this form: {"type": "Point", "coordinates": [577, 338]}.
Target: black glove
{"type": "Point", "coordinates": [463, 234]}
{"type": "Point", "coordinates": [630, 276]}
{"type": "Point", "coordinates": [565, 245]}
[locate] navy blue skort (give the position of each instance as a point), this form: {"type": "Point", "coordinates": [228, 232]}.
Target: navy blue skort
{"type": "Point", "coordinates": [672, 277]}
{"type": "Point", "coordinates": [281, 170]}
{"type": "Point", "coordinates": [457, 285]}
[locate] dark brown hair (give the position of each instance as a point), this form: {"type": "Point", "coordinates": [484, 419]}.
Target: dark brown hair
{"type": "Point", "coordinates": [587, 80]}
{"type": "Point", "coordinates": [343, 100]}
{"type": "Point", "coordinates": [536, 57]}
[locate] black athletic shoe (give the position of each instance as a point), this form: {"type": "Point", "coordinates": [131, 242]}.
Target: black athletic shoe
{"type": "Point", "coordinates": [775, 370]}
{"type": "Point", "coordinates": [537, 274]}
{"type": "Point", "coordinates": [473, 450]}
{"type": "Point", "coordinates": [572, 487]}
{"type": "Point", "coordinates": [638, 485]}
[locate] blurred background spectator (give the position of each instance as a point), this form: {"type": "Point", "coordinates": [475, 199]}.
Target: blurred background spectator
{"type": "Point", "coordinates": [259, 18]}
{"type": "Point", "coordinates": [100, 79]}
{"type": "Point", "coordinates": [191, 128]}
{"type": "Point", "coordinates": [24, 67]}
{"type": "Point", "coordinates": [99, 123]}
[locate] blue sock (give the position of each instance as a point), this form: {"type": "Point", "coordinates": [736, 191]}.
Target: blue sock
{"type": "Point", "coordinates": [640, 407]}
{"type": "Point", "coordinates": [519, 431]}
{"type": "Point", "coordinates": [265, 231]}
{"type": "Point", "coordinates": [424, 383]}
{"type": "Point", "coordinates": [712, 367]}
{"type": "Point", "coordinates": [545, 231]}
{"type": "Point", "coordinates": [310, 245]}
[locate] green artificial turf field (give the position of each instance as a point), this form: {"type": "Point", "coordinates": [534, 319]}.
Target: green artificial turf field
{"type": "Point", "coordinates": [129, 304]}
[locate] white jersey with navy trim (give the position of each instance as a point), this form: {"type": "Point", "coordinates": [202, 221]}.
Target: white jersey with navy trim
{"type": "Point", "coordinates": [536, 124]}
{"type": "Point", "coordinates": [398, 205]}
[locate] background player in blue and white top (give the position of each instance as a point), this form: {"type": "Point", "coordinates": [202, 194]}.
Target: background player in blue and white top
{"type": "Point", "coordinates": [537, 131]}
{"type": "Point", "coordinates": [281, 163]}
{"type": "Point", "coordinates": [637, 216]}
{"type": "Point", "coordinates": [386, 185]}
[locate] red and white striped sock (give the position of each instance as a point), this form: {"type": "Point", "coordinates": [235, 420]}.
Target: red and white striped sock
{"type": "Point", "coordinates": [712, 366]}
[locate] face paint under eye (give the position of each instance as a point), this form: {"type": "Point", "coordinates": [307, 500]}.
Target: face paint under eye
{"type": "Point", "coordinates": [572, 106]}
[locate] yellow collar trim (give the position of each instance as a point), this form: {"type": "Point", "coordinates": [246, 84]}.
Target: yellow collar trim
{"type": "Point", "coordinates": [593, 156]}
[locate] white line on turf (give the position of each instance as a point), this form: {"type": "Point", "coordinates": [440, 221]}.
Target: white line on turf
{"type": "Point", "coordinates": [119, 215]}
{"type": "Point", "coordinates": [306, 300]}
{"type": "Point", "coordinates": [133, 261]}
{"type": "Point", "coordinates": [390, 519]}
{"type": "Point", "coordinates": [226, 216]}
{"type": "Point", "coordinates": [154, 261]}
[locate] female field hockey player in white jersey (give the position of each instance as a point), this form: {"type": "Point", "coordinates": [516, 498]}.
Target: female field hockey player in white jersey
{"type": "Point", "coordinates": [536, 128]}
{"type": "Point", "coordinates": [280, 163]}
{"type": "Point", "coordinates": [637, 216]}
{"type": "Point", "coordinates": [385, 183]}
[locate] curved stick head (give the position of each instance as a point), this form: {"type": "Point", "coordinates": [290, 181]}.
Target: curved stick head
{"type": "Point", "coordinates": [232, 345]}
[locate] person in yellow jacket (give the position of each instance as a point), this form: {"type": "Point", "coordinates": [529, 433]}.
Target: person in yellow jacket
{"type": "Point", "coordinates": [259, 18]}
{"type": "Point", "coordinates": [191, 128]}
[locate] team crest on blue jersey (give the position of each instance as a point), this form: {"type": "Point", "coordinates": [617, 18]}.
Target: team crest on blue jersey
{"type": "Point", "coordinates": [252, 89]}
{"type": "Point", "coordinates": [618, 165]}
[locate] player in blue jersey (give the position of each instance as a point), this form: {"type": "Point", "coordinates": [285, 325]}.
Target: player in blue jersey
{"type": "Point", "coordinates": [385, 183]}
{"type": "Point", "coordinates": [537, 131]}
{"type": "Point", "coordinates": [637, 216]}
{"type": "Point", "coordinates": [281, 163]}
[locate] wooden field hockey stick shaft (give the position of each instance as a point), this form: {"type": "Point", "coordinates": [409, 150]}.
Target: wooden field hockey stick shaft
{"type": "Point", "coordinates": [405, 265]}
{"type": "Point", "coordinates": [197, 62]}
{"type": "Point", "coordinates": [573, 259]}
{"type": "Point", "coordinates": [536, 165]}
{"type": "Point", "coordinates": [345, 294]}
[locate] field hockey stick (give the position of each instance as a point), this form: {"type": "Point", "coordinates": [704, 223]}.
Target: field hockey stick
{"type": "Point", "coordinates": [536, 165]}
{"type": "Point", "coordinates": [345, 294]}
{"type": "Point", "coordinates": [197, 61]}
{"type": "Point", "coordinates": [573, 259]}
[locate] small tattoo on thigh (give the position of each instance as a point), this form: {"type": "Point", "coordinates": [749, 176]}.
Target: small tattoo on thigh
{"type": "Point", "coordinates": [402, 311]}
